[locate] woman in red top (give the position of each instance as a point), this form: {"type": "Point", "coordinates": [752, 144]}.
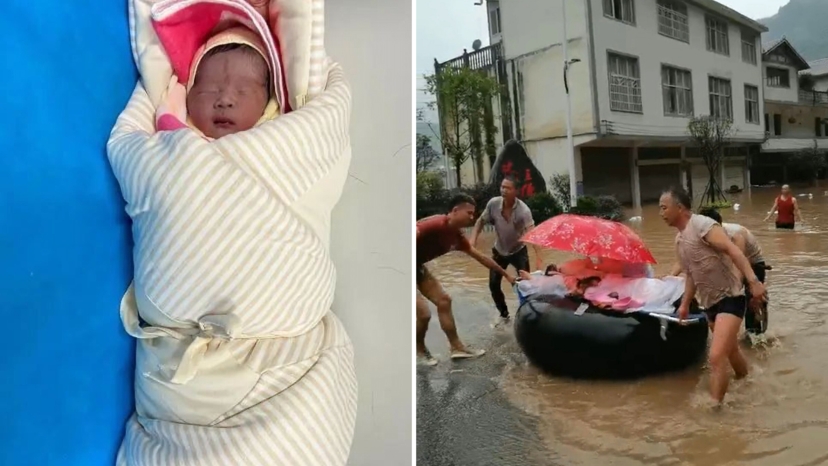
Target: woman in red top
{"type": "Point", "coordinates": [786, 208]}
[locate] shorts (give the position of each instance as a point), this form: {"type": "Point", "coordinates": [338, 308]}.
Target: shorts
{"type": "Point", "coordinates": [785, 226]}
{"type": "Point", "coordinates": [733, 305]}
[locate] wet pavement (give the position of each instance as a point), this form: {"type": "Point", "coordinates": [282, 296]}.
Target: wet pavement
{"type": "Point", "coordinates": [499, 410]}
{"type": "Point", "coordinates": [463, 415]}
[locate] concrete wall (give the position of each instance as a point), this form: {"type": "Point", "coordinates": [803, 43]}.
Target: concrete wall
{"type": "Point", "coordinates": [550, 156]}
{"type": "Point", "coordinates": [781, 94]}
{"type": "Point", "coordinates": [533, 38]}
{"type": "Point", "coordinates": [379, 183]}
{"type": "Point", "coordinates": [652, 49]}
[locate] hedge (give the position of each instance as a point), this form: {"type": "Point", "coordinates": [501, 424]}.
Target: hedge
{"type": "Point", "coordinates": [433, 200]}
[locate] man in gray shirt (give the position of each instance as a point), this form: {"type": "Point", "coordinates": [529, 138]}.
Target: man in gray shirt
{"type": "Point", "coordinates": [512, 219]}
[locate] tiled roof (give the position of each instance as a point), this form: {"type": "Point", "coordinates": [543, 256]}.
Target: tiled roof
{"type": "Point", "coordinates": [771, 44]}
{"type": "Point", "coordinates": [818, 67]}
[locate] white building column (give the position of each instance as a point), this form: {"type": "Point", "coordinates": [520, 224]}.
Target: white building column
{"type": "Point", "coordinates": [746, 180]}
{"type": "Point", "coordinates": [682, 170]}
{"type": "Point", "coordinates": [635, 181]}
{"type": "Point", "coordinates": [579, 172]}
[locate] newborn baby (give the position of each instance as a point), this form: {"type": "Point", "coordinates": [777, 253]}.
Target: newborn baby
{"type": "Point", "coordinates": [229, 88]}
{"type": "Point", "coordinates": [234, 354]}
{"type": "Point", "coordinates": [230, 91]}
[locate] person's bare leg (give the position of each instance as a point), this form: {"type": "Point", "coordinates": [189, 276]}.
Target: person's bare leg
{"type": "Point", "coordinates": [723, 345]}
{"type": "Point", "coordinates": [423, 318]}
{"type": "Point", "coordinates": [738, 362]}
{"type": "Point", "coordinates": [433, 291]}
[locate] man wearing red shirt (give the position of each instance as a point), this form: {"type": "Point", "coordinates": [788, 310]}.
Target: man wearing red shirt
{"type": "Point", "coordinates": [786, 209]}
{"type": "Point", "coordinates": [436, 236]}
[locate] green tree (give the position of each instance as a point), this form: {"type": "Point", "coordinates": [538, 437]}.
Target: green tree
{"type": "Point", "coordinates": [811, 160]}
{"type": "Point", "coordinates": [426, 155]}
{"type": "Point", "coordinates": [710, 135]}
{"type": "Point", "coordinates": [463, 97]}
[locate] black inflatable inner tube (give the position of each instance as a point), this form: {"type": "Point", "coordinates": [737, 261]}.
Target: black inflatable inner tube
{"type": "Point", "coordinates": [604, 344]}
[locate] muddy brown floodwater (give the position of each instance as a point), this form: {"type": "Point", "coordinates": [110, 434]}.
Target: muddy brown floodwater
{"type": "Point", "coordinates": [777, 416]}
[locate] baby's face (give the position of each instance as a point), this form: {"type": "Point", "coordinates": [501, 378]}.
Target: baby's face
{"type": "Point", "coordinates": [229, 93]}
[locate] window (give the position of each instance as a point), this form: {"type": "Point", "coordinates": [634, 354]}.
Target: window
{"type": "Point", "coordinates": [752, 104]}
{"type": "Point", "coordinates": [778, 77]}
{"type": "Point", "coordinates": [749, 47]}
{"type": "Point", "coordinates": [818, 127]}
{"type": "Point", "coordinates": [624, 83]}
{"type": "Point", "coordinates": [721, 98]}
{"type": "Point", "coordinates": [778, 58]}
{"type": "Point", "coordinates": [672, 20]}
{"type": "Point", "coordinates": [621, 10]}
{"type": "Point", "coordinates": [494, 21]}
{"type": "Point", "coordinates": [767, 125]}
{"type": "Point", "coordinates": [717, 36]}
{"type": "Point", "coordinates": [777, 124]}
{"type": "Point", "coordinates": [677, 90]}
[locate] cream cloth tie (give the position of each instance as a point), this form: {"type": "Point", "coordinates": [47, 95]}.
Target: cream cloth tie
{"type": "Point", "coordinates": [221, 326]}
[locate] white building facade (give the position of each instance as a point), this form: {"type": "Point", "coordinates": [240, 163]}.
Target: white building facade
{"type": "Point", "coordinates": [645, 68]}
{"type": "Point", "coordinates": [795, 119]}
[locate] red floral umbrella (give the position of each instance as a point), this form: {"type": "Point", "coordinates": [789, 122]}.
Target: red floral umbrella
{"type": "Point", "coordinates": [590, 236]}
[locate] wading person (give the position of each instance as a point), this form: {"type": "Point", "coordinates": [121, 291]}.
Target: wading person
{"type": "Point", "coordinates": [786, 208]}
{"type": "Point", "coordinates": [436, 236]}
{"type": "Point", "coordinates": [511, 219]}
{"type": "Point", "coordinates": [715, 269]}
{"type": "Point", "coordinates": [756, 321]}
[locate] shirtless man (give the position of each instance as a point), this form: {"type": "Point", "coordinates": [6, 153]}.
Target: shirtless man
{"type": "Point", "coordinates": [712, 265]}
{"type": "Point", "coordinates": [436, 236]}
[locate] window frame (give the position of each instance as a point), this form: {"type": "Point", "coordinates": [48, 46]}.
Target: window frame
{"type": "Point", "coordinates": [758, 120]}
{"type": "Point", "coordinates": [753, 57]}
{"type": "Point", "coordinates": [496, 12]}
{"type": "Point", "coordinates": [712, 20]}
{"type": "Point", "coordinates": [780, 85]}
{"type": "Point", "coordinates": [664, 87]}
{"type": "Point", "coordinates": [710, 95]}
{"type": "Point", "coordinates": [670, 5]}
{"type": "Point", "coordinates": [611, 14]}
{"type": "Point", "coordinates": [637, 62]}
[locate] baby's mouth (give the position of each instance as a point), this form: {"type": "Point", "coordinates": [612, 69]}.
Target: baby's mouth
{"type": "Point", "coordinates": [222, 122]}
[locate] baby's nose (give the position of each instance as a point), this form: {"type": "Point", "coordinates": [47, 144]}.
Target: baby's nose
{"type": "Point", "coordinates": [225, 100]}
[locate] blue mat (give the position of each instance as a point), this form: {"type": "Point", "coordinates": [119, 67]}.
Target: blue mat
{"type": "Point", "coordinates": [65, 245]}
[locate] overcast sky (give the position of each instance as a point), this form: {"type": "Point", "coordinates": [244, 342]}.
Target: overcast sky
{"type": "Point", "coordinates": [445, 27]}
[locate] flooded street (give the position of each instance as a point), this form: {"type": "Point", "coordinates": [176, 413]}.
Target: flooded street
{"type": "Point", "coordinates": [499, 410]}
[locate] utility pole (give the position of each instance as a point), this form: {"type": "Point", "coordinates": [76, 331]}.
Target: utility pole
{"type": "Point", "coordinates": [570, 147]}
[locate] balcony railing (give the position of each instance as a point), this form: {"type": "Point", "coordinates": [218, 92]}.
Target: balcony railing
{"type": "Point", "coordinates": [813, 97]}
{"type": "Point", "coordinates": [481, 59]}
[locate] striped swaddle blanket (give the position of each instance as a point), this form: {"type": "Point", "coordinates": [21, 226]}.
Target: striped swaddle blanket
{"type": "Point", "coordinates": [240, 360]}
